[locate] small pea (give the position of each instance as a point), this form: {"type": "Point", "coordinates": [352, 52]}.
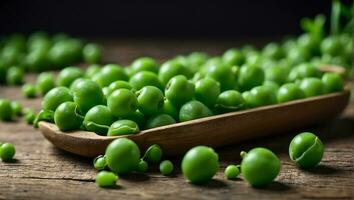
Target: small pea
{"type": "Point", "coordinates": [67, 116]}
{"type": "Point", "coordinates": [166, 167]}
{"type": "Point", "coordinates": [92, 70]}
{"type": "Point", "coordinates": [55, 97]}
{"type": "Point", "coordinates": [68, 75]}
{"type": "Point", "coordinates": [14, 76]}
{"type": "Point", "coordinates": [45, 82]}
{"type": "Point", "coordinates": [159, 120]}
{"type": "Point", "coordinates": [333, 82]}
{"type": "Point", "coordinates": [144, 64]}
{"type": "Point", "coordinates": [106, 179]}
{"type": "Point", "coordinates": [17, 108]}
{"type": "Point", "coordinates": [193, 110]}
{"type": "Point", "coordinates": [92, 53]}
{"type": "Point", "coordinates": [232, 171]}
{"type": "Point", "coordinates": [229, 100]}
{"type": "Point", "coordinates": [250, 77]}
{"type": "Point", "coordinates": [207, 91]}
{"type": "Point", "coordinates": [7, 152]}
{"type": "Point", "coordinates": [122, 102]}
{"type": "Point", "coordinates": [312, 87]}
{"type": "Point", "coordinates": [143, 166]}
{"type": "Point", "coordinates": [100, 163]}
{"type": "Point", "coordinates": [150, 100]}
{"type": "Point", "coordinates": [179, 90]}
{"type": "Point", "coordinates": [145, 78]}
{"type": "Point", "coordinates": [29, 115]}
{"type": "Point", "coordinates": [123, 127]}
{"type": "Point", "coordinates": [153, 154]}
{"type": "Point", "coordinates": [29, 90]}
{"type": "Point", "coordinates": [6, 111]}
{"type": "Point", "coordinates": [110, 73]}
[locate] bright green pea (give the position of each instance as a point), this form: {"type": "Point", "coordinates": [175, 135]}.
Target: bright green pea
{"type": "Point", "coordinates": [45, 82]}
{"type": "Point", "coordinates": [277, 74]}
{"type": "Point", "coordinates": [137, 117]}
{"type": "Point", "coordinates": [122, 156]}
{"type": "Point", "coordinates": [68, 75]}
{"type": "Point", "coordinates": [143, 166]}
{"type": "Point", "coordinates": [98, 119]}
{"type": "Point", "coordinates": [123, 127]}
{"type": "Point", "coordinates": [332, 46]}
{"type": "Point", "coordinates": [232, 171]}
{"type": "Point", "coordinates": [193, 110]}
{"type": "Point", "coordinates": [100, 163]}
{"type": "Point", "coordinates": [273, 51]}
{"type": "Point", "coordinates": [272, 85]}
{"type": "Point", "coordinates": [110, 73]}
{"type": "Point", "coordinates": [144, 64]}
{"type": "Point", "coordinates": [229, 100]}
{"type": "Point", "coordinates": [106, 179]}
{"type": "Point", "coordinates": [196, 60]}
{"type": "Point", "coordinates": [14, 76]}
{"type": "Point", "coordinates": [153, 154]}
{"type": "Point", "coordinates": [87, 94]}
{"type": "Point", "coordinates": [7, 152]}
{"type": "Point", "coordinates": [37, 60]}
{"type": "Point", "coordinates": [43, 115]}
{"type": "Point", "coordinates": [117, 85]}
{"type": "Point", "coordinates": [17, 108]}
{"type": "Point", "coordinates": [55, 97]}
{"type": "Point", "coordinates": [222, 74]}
{"type": "Point", "coordinates": [145, 78]}
{"type": "Point", "coordinates": [92, 70]}
{"type": "Point", "coordinates": [312, 87]}
{"type": "Point", "coordinates": [67, 116]}
{"type": "Point", "coordinates": [261, 96]}
{"type": "Point", "coordinates": [302, 71]}
{"type": "Point", "coordinates": [122, 102]}
{"type": "Point", "coordinates": [150, 100]}
{"type": "Point", "coordinates": [259, 166]}
{"type": "Point", "coordinates": [207, 91]}
{"type": "Point", "coordinates": [179, 90]}
{"type": "Point", "coordinates": [306, 149]}
{"type": "Point", "coordinates": [200, 164]}
{"type": "Point", "coordinates": [254, 59]}
{"type": "Point", "coordinates": [29, 115]}
{"type": "Point", "coordinates": [289, 92]}
{"type": "Point", "coordinates": [307, 41]}
{"type": "Point", "coordinates": [170, 109]}
{"type": "Point", "coordinates": [298, 55]}
{"type": "Point", "coordinates": [166, 167]}
{"type": "Point", "coordinates": [65, 52]}
{"type": "Point", "coordinates": [29, 90]}
{"type": "Point", "coordinates": [332, 82]}
{"type": "Point", "coordinates": [92, 53]}
{"type": "Point", "coordinates": [233, 57]}
{"type": "Point", "coordinates": [170, 69]}
{"type": "Point", "coordinates": [6, 112]}
{"type": "Point", "coordinates": [159, 120]}
{"type": "Point", "coordinates": [249, 77]}
{"type": "Point", "coordinates": [11, 56]}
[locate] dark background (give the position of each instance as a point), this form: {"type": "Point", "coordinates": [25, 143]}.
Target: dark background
{"type": "Point", "coordinates": [160, 18]}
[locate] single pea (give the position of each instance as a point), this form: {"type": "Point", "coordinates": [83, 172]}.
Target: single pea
{"type": "Point", "coordinates": [207, 91]}
{"type": "Point", "coordinates": [302, 71]}
{"type": "Point", "coordinates": [55, 97]}
{"type": "Point", "coordinates": [14, 76]}
{"type": "Point", "coordinates": [196, 60]}
{"type": "Point", "coordinates": [122, 156]}
{"type": "Point", "coordinates": [259, 166]}
{"type": "Point", "coordinates": [166, 167]}
{"type": "Point", "coordinates": [43, 115]}
{"type": "Point", "coordinates": [123, 127]}
{"type": "Point", "coordinates": [87, 94]}
{"type": "Point", "coordinates": [170, 69]}
{"type": "Point", "coordinates": [143, 166]}
{"type": "Point", "coordinates": [65, 52]}
{"type": "Point", "coordinates": [193, 110]}
{"type": "Point", "coordinates": [232, 171]}
{"type": "Point", "coordinates": [29, 90]}
{"type": "Point", "coordinates": [159, 120]}
{"type": "Point", "coordinates": [254, 59]}
{"type": "Point", "coordinates": [106, 179]}
{"type": "Point", "coordinates": [307, 41]}
{"type": "Point", "coordinates": [6, 112]}
{"type": "Point", "coordinates": [68, 75]}
{"type": "Point", "coordinates": [249, 77]}
{"type": "Point", "coordinates": [144, 64]}
{"type": "Point", "coordinates": [229, 100]}
{"type": "Point", "coordinates": [273, 51]}
{"type": "Point", "coordinates": [332, 46]}
{"type": "Point", "coordinates": [289, 92]}
{"type": "Point", "coordinates": [117, 85]}
{"type": "Point", "coordinates": [99, 163]}
{"type": "Point", "coordinates": [92, 53]}
{"type": "Point", "coordinates": [7, 152]}
{"type": "Point", "coordinates": [145, 78]}
{"type": "Point", "coordinates": [261, 96]}
{"type": "Point", "coordinates": [153, 154]}
{"type": "Point", "coordinates": [170, 109]}
{"type": "Point", "coordinates": [332, 82]}
{"type": "Point", "coordinates": [98, 119]}
{"type": "Point", "coordinates": [222, 74]}
{"type": "Point", "coordinates": [137, 117]}
{"type": "Point", "coordinates": [122, 102]}
{"type": "Point", "coordinates": [110, 73]}
{"type": "Point", "coordinates": [29, 115]}
{"type": "Point", "coordinates": [272, 85]}
{"type": "Point", "coordinates": [277, 74]}
{"type": "Point", "coordinates": [306, 149]}
{"type": "Point", "coordinates": [179, 90]}
{"type": "Point", "coordinates": [37, 60]}
{"type": "Point", "coordinates": [298, 55]}
{"type": "Point", "coordinates": [246, 95]}
{"type": "Point", "coordinates": [200, 164]}
{"type": "Point", "coordinates": [68, 117]}
{"type": "Point", "coordinates": [312, 87]}
{"type": "Point", "coordinates": [45, 82]}
{"type": "Point", "coordinates": [233, 57]}
{"type": "Point", "coordinates": [150, 100]}
{"type": "Point", "coordinates": [92, 70]}
{"type": "Point", "coordinates": [17, 108]}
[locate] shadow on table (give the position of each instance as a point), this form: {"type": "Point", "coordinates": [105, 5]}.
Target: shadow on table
{"type": "Point", "coordinates": [323, 170]}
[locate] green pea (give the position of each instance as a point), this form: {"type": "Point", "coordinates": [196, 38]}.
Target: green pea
{"type": "Point", "coordinates": [261, 96]}
{"type": "Point", "coordinates": [312, 87]}
{"type": "Point", "coordinates": [159, 120]}
{"type": "Point", "coordinates": [277, 74]}
{"type": "Point", "coordinates": [150, 100]}
{"type": "Point", "coordinates": [123, 127]}
{"type": "Point", "coordinates": [110, 73]}
{"type": "Point", "coordinates": [145, 78]}
{"type": "Point", "coordinates": [100, 163]}
{"type": "Point", "coordinates": [249, 77]}
{"type": "Point", "coordinates": [232, 171]}
{"type": "Point", "coordinates": [17, 108]}
{"type": "Point", "coordinates": [332, 46]}
{"type": "Point", "coordinates": [289, 92]}
{"type": "Point", "coordinates": [306, 149]}
{"type": "Point", "coordinates": [228, 101]}
{"type": "Point", "coordinates": [68, 117]}
{"type": "Point", "coordinates": [170, 109]}
{"type": "Point", "coordinates": [193, 110]}
{"type": "Point", "coordinates": [200, 164]}
{"type": "Point", "coordinates": [11, 56]}
{"type": "Point", "coordinates": [272, 85]}
{"type": "Point", "coordinates": [7, 152]}
{"type": "Point", "coordinates": [98, 119]}
{"type": "Point", "coordinates": [196, 60]}
{"type": "Point", "coordinates": [43, 115]}
{"type": "Point", "coordinates": [117, 85]}
{"type": "Point", "coordinates": [298, 55]}
{"type": "Point", "coordinates": [68, 75]}
{"type": "Point", "coordinates": [92, 70]}
{"type": "Point", "coordinates": [144, 64]}
{"type": "Point", "coordinates": [122, 156]}
{"type": "Point", "coordinates": [55, 97]}
{"type": "Point", "coordinates": [207, 91]}
{"type": "Point", "coordinates": [222, 74]}
{"type": "Point", "coordinates": [86, 94]}
{"type": "Point", "coordinates": [29, 115]}
{"type": "Point", "coordinates": [143, 166]}
{"type": "Point", "coordinates": [45, 82]}
{"type": "Point", "coordinates": [166, 167]}
{"type": "Point", "coordinates": [303, 71]}
{"type": "Point", "coordinates": [259, 166]}
{"type": "Point", "coordinates": [122, 102]}
{"type": "Point", "coordinates": [332, 82]}
{"type": "Point", "coordinates": [273, 51]}
{"type": "Point", "coordinates": [153, 154]}
{"type": "Point", "coordinates": [106, 179]}
{"type": "Point", "coordinates": [6, 112]}
{"type": "Point", "coordinates": [137, 117]}
{"type": "Point", "coordinates": [65, 52]}
{"type": "Point", "coordinates": [233, 57]}
{"type": "Point", "coordinates": [92, 53]}
{"type": "Point", "coordinates": [29, 90]}
{"type": "Point", "coordinates": [37, 60]}
{"type": "Point", "coordinates": [254, 59]}
{"type": "Point", "coordinates": [307, 41]}
{"type": "Point", "coordinates": [170, 69]}
{"type": "Point", "coordinates": [14, 76]}
{"type": "Point", "coordinates": [179, 90]}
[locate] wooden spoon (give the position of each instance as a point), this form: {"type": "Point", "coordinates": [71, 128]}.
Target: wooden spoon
{"type": "Point", "coordinates": [212, 131]}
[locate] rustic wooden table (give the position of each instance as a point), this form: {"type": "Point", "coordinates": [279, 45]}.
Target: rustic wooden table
{"type": "Point", "coordinates": [42, 171]}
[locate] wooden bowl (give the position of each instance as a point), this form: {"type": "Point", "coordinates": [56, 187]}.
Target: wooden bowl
{"type": "Point", "coordinates": [214, 131]}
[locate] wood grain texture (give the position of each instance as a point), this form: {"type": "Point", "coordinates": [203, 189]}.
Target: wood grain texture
{"type": "Point", "coordinates": [41, 171]}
